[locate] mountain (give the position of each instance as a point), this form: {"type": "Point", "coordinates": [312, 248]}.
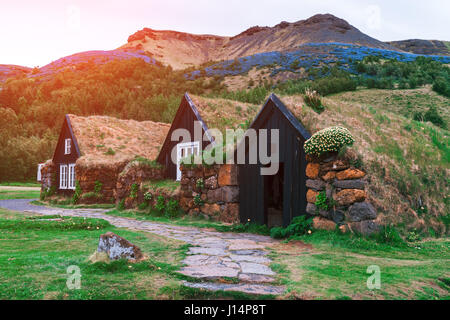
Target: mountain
{"type": "Point", "coordinates": [419, 46]}
{"type": "Point", "coordinates": [10, 70]}
{"type": "Point", "coordinates": [181, 50]}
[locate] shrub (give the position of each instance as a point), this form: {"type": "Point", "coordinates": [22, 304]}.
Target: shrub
{"type": "Point", "coordinates": [121, 205]}
{"type": "Point", "coordinates": [143, 206]}
{"type": "Point", "coordinates": [200, 183]}
{"type": "Point", "coordinates": [389, 235]}
{"type": "Point", "coordinates": [322, 201]}
{"type": "Point", "coordinates": [77, 194]}
{"type": "Point", "coordinates": [148, 196]}
{"type": "Point", "coordinates": [312, 99]}
{"type": "Point", "coordinates": [442, 86]}
{"type": "Point", "coordinates": [329, 140]}
{"type": "Point", "coordinates": [134, 190]}
{"type": "Point", "coordinates": [160, 204]}
{"type": "Point", "coordinates": [198, 201]}
{"type": "Point", "coordinates": [172, 208]}
{"type": "Point", "coordinates": [98, 187]}
{"type": "Point", "coordinates": [299, 226]}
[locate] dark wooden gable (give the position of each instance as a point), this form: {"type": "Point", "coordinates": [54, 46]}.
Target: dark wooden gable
{"type": "Point", "coordinates": [275, 115]}
{"type": "Point", "coordinates": [184, 118]}
{"type": "Point", "coordinates": [66, 133]}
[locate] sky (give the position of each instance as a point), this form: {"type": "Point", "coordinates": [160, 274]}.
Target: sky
{"type": "Point", "coordinates": [35, 33]}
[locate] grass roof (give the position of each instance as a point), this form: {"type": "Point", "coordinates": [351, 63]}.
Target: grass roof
{"type": "Point", "coordinates": [224, 114]}
{"type": "Point", "coordinates": [107, 140]}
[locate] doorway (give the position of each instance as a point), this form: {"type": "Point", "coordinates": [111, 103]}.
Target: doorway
{"type": "Point", "coordinates": [273, 198]}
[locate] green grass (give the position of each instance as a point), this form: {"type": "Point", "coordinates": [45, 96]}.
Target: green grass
{"type": "Point", "coordinates": [20, 184]}
{"type": "Point", "coordinates": [19, 194]}
{"type": "Point", "coordinates": [185, 220]}
{"type": "Point", "coordinates": [74, 206]}
{"type": "Point", "coordinates": [36, 253]}
{"type": "Point", "coordinates": [337, 265]}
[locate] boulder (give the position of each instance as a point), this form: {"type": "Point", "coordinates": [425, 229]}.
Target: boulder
{"type": "Point", "coordinates": [211, 183]}
{"type": "Point", "coordinates": [210, 209]}
{"type": "Point", "coordinates": [311, 196]}
{"type": "Point", "coordinates": [117, 247]}
{"type": "Point", "coordinates": [214, 195]}
{"type": "Point", "coordinates": [338, 216]}
{"type": "Point", "coordinates": [329, 176]}
{"type": "Point", "coordinates": [361, 211]}
{"type": "Point", "coordinates": [230, 194]}
{"type": "Point", "coordinates": [228, 175]}
{"type": "Point", "coordinates": [312, 170]}
{"type": "Point", "coordinates": [366, 227]}
{"type": "Point", "coordinates": [350, 174]}
{"type": "Point", "coordinates": [317, 185]}
{"type": "Point", "coordinates": [336, 165]}
{"type": "Point", "coordinates": [311, 209]}
{"type": "Point", "coordinates": [350, 184]}
{"type": "Point", "coordinates": [347, 197]}
{"type": "Point", "coordinates": [321, 223]}
{"type": "Point", "coordinates": [230, 214]}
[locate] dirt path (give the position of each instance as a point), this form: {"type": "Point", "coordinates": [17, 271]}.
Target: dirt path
{"type": "Point", "coordinates": [213, 254]}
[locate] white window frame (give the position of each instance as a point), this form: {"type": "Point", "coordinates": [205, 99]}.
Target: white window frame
{"type": "Point", "coordinates": [63, 176]}
{"type": "Point", "coordinates": [39, 173]}
{"type": "Point", "coordinates": [71, 176]}
{"type": "Point", "coordinates": [184, 149]}
{"type": "Point", "coordinates": [67, 146]}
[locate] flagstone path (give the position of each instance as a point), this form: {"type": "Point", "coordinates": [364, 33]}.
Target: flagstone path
{"type": "Point", "coordinates": [213, 255]}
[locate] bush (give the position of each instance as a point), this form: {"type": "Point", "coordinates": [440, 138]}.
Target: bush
{"type": "Point", "coordinates": [172, 208]}
{"type": "Point", "coordinates": [389, 235]}
{"type": "Point", "coordinates": [77, 194]}
{"type": "Point", "coordinates": [331, 139]}
{"type": "Point", "coordinates": [121, 205]}
{"type": "Point", "coordinates": [134, 190]}
{"type": "Point", "coordinates": [442, 86]}
{"type": "Point", "coordinates": [160, 204]}
{"type": "Point", "coordinates": [312, 99]}
{"type": "Point", "coordinates": [299, 226]}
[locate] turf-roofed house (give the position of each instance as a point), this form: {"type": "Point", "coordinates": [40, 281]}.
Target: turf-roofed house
{"type": "Point", "coordinates": [93, 152]}
{"type": "Point", "coordinates": [239, 193]}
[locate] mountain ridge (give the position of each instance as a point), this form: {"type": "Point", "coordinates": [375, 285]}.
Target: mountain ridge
{"type": "Point", "coordinates": [181, 49]}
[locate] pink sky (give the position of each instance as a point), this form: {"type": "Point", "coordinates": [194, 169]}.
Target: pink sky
{"type": "Point", "coordinates": [34, 33]}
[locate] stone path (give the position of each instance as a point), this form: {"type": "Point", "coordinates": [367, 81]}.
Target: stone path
{"type": "Point", "coordinates": [213, 254]}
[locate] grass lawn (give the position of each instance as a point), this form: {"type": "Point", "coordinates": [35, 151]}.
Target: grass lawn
{"type": "Point", "coordinates": [327, 265]}
{"type": "Point", "coordinates": [36, 253]}
{"type": "Point", "coordinates": [20, 184]}
{"type": "Point", "coordinates": [19, 194]}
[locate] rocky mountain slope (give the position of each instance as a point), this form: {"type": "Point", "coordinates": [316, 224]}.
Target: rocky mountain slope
{"type": "Point", "coordinates": [181, 50]}
{"type": "Point", "coordinates": [419, 46]}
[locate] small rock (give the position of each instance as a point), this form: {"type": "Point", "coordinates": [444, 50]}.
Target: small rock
{"type": "Point", "coordinates": [311, 209]}
{"type": "Point", "coordinates": [350, 184]}
{"type": "Point", "coordinates": [366, 227]}
{"type": "Point", "coordinates": [347, 197]}
{"type": "Point", "coordinates": [117, 247]}
{"type": "Point", "coordinates": [211, 183]}
{"type": "Point", "coordinates": [329, 176]}
{"type": "Point", "coordinates": [230, 194]}
{"type": "Point", "coordinates": [317, 185]}
{"type": "Point", "coordinates": [350, 174]}
{"type": "Point", "coordinates": [311, 196]}
{"type": "Point", "coordinates": [99, 257]}
{"type": "Point", "coordinates": [337, 216]}
{"type": "Point", "coordinates": [362, 211]}
{"type": "Point", "coordinates": [312, 170]}
{"type": "Point", "coordinates": [320, 223]}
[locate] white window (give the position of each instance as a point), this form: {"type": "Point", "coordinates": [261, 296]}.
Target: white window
{"type": "Point", "coordinates": [68, 144]}
{"type": "Point", "coordinates": [39, 175]}
{"type": "Point", "coordinates": [184, 150]}
{"type": "Point", "coordinates": [71, 179]}
{"type": "Point", "coordinates": [63, 176]}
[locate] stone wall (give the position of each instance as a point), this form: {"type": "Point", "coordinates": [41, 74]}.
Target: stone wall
{"type": "Point", "coordinates": [135, 173]}
{"type": "Point", "coordinates": [48, 176]}
{"type": "Point", "coordinates": [344, 186]}
{"type": "Point", "coordinates": [211, 191]}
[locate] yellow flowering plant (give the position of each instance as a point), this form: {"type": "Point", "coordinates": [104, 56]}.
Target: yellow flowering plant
{"type": "Point", "coordinates": [331, 139]}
